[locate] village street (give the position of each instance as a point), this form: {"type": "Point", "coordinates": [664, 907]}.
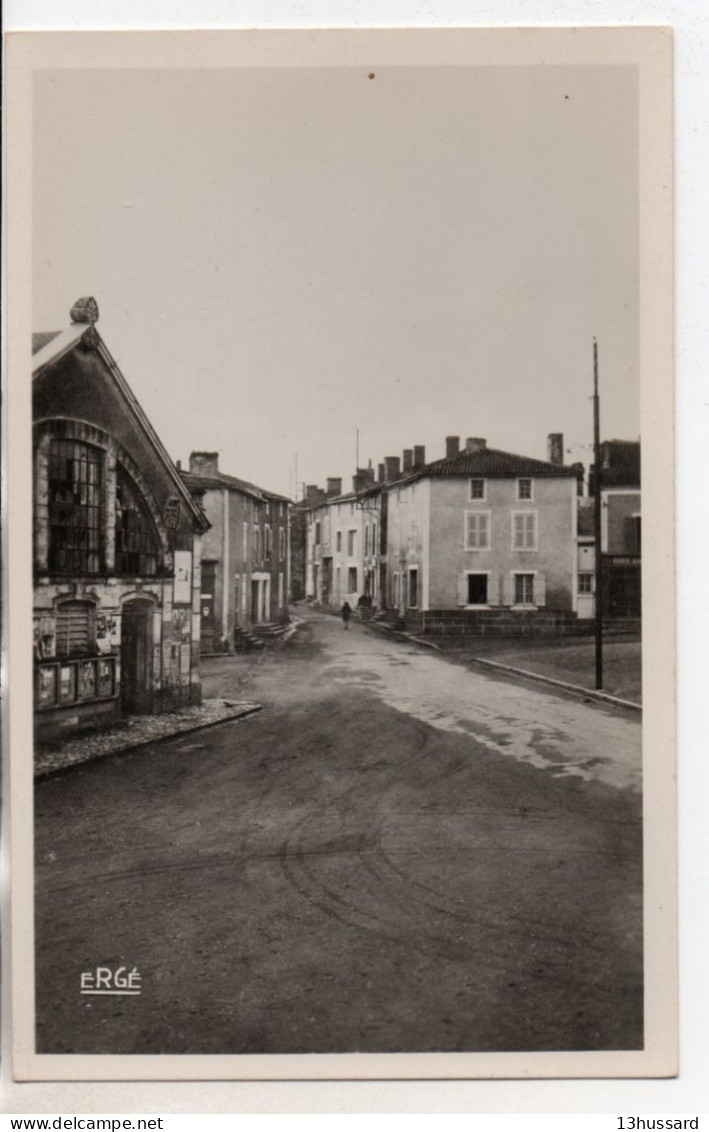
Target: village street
{"type": "Point", "coordinates": [398, 852]}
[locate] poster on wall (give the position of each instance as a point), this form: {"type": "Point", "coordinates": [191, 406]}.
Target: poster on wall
{"type": "Point", "coordinates": [183, 577]}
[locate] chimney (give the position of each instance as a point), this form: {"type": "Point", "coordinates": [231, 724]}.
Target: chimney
{"type": "Point", "coordinates": [419, 455]}
{"type": "Point", "coordinates": [334, 486]}
{"type": "Point", "coordinates": [204, 463]}
{"type": "Point", "coordinates": [475, 444]}
{"type": "Point", "coordinates": [391, 468]}
{"type": "Point", "coordinates": [363, 478]}
{"type": "Point", "coordinates": [408, 460]}
{"type": "Point", "coordinates": [314, 495]}
{"type": "Point", "coordinates": [178, 465]}
{"type": "Point", "coordinates": [555, 447]}
{"type": "Point", "coordinates": [452, 447]}
{"type": "Point", "coordinates": [380, 473]}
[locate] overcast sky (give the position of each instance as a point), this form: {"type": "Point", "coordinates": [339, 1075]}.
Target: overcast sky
{"type": "Point", "coordinates": [282, 257]}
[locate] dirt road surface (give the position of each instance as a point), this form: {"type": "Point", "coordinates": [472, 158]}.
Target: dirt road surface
{"type": "Point", "coordinates": [395, 854]}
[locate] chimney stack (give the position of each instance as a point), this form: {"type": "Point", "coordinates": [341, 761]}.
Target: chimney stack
{"type": "Point", "coordinates": [334, 486]}
{"type": "Point", "coordinates": [475, 444]}
{"type": "Point", "coordinates": [204, 463]}
{"type": "Point", "coordinates": [380, 473]}
{"type": "Point", "coordinates": [408, 459]}
{"type": "Point", "coordinates": [452, 447]}
{"type": "Point", "coordinates": [391, 468]}
{"type": "Point", "coordinates": [419, 456]}
{"type": "Point", "coordinates": [555, 447]}
{"type": "Point", "coordinates": [314, 495]}
{"type": "Point", "coordinates": [363, 478]}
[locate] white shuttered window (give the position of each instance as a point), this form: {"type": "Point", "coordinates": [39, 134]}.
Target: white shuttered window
{"type": "Point", "coordinates": [477, 530]}
{"type": "Point", "coordinates": [524, 530]}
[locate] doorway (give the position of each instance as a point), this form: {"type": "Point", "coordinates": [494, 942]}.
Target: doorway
{"type": "Point", "coordinates": [207, 627]}
{"type": "Point", "coordinates": [136, 657]}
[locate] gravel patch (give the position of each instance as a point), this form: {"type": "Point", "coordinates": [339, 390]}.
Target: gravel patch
{"type": "Point", "coordinates": [136, 732]}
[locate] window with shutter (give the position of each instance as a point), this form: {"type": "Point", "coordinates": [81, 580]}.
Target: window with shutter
{"type": "Point", "coordinates": [524, 589]}
{"type": "Point", "coordinates": [524, 530]}
{"type": "Point", "coordinates": [75, 629]}
{"type": "Point", "coordinates": [477, 530]}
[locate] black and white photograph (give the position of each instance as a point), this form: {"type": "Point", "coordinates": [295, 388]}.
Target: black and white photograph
{"type": "Point", "coordinates": [348, 411]}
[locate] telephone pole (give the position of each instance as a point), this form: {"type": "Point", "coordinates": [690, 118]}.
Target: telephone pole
{"type": "Point", "coordinates": [597, 517]}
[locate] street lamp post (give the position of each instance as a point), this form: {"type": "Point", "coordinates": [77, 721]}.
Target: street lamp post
{"type": "Point", "coordinates": [597, 518]}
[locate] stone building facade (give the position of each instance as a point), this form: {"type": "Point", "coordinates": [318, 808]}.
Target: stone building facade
{"type": "Point", "coordinates": [117, 545]}
{"type": "Point", "coordinates": [345, 542]}
{"type": "Point", "coordinates": [481, 531]}
{"type": "Point", "coordinates": [245, 554]}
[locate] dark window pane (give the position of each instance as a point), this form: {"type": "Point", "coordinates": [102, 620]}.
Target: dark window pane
{"type": "Point", "coordinates": [136, 539]}
{"type": "Point", "coordinates": [75, 508]}
{"type": "Point", "coordinates": [477, 589]}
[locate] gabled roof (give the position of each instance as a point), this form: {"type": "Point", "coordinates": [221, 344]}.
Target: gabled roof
{"type": "Point", "coordinates": [42, 339]}
{"type": "Point", "coordinates": [54, 345]}
{"type": "Point", "coordinates": [50, 345]}
{"type": "Point", "coordinates": [197, 482]}
{"type": "Point", "coordinates": [491, 463]}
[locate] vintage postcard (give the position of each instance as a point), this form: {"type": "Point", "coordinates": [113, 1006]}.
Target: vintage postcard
{"type": "Point", "coordinates": [340, 596]}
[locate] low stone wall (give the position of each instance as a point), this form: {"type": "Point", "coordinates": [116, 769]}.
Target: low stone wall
{"type": "Point", "coordinates": [498, 623]}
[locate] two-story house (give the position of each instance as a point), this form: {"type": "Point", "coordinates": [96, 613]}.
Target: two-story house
{"type": "Point", "coordinates": [346, 541]}
{"type": "Point", "coordinates": [245, 556]}
{"type": "Point", "coordinates": [481, 530]}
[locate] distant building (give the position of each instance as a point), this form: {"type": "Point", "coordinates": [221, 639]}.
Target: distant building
{"type": "Point", "coordinates": [245, 556]}
{"type": "Point", "coordinates": [346, 541]}
{"type": "Point", "coordinates": [586, 542]}
{"type": "Point", "coordinates": [117, 544]}
{"type": "Point", "coordinates": [483, 530]}
{"type": "Point", "coordinates": [621, 527]}
{"type": "Point", "coordinates": [299, 539]}
{"type": "Point", "coordinates": [476, 533]}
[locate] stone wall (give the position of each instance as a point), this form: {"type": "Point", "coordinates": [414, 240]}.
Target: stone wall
{"type": "Point", "coordinates": [497, 623]}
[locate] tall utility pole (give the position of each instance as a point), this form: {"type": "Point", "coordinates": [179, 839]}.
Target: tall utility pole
{"type": "Point", "coordinates": [597, 516]}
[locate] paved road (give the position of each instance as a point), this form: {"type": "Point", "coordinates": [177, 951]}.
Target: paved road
{"type": "Point", "coordinates": [396, 854]}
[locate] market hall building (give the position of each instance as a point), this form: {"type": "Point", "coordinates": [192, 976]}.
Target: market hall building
{"type": "Point", "coordinates": [117, 544]}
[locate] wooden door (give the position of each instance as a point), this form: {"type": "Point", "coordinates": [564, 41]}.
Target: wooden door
{"type": "Point", "coordinates": [207, 607]}
{"type": "Point", "coordinates": [136, 657]}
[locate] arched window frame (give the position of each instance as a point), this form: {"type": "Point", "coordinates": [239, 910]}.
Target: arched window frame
{"type": "Point", "coordinates": [69, 429]}
{"type": "Point", "coordinates": [76, 508]}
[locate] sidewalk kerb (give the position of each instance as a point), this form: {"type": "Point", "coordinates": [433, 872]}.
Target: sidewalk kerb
{"type": "Point", "coordinates": [603, 697]}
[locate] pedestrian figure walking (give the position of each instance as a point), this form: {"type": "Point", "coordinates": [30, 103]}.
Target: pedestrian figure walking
{"type": "Point", "coordinates": [346, 613]}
